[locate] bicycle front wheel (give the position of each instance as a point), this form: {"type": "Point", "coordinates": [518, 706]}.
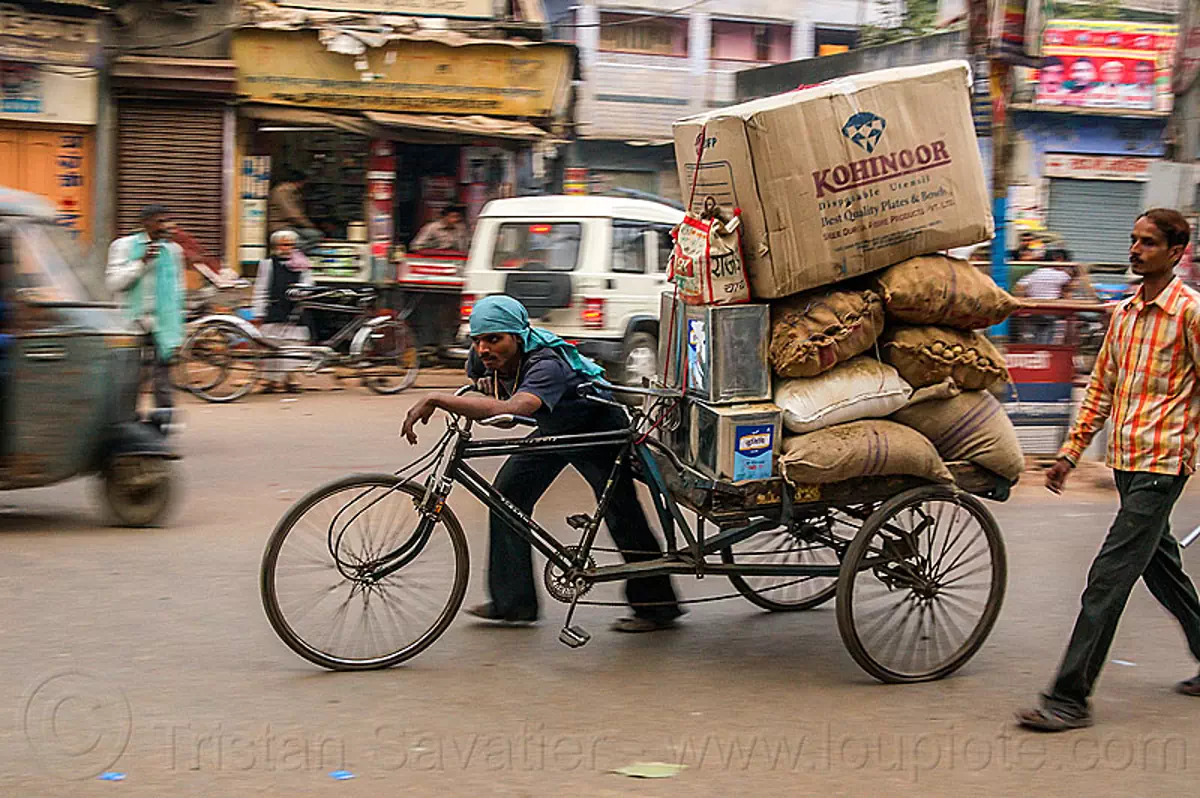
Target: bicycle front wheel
{"type": "Point", "coordinates": [319, 596]}
{"type": "Point", "coordinates": [389, 358]}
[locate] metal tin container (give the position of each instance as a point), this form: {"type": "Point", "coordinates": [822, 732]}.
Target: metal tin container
{"type": "Point", "coordinates": [726, 353]}
{"type": "Point", "coordinates": [672, 324]}
{"type": "Point", "coordinates": [735, 442]}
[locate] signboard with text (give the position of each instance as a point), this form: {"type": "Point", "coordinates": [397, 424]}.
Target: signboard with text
{"type": "Point", "coordinates": [1098, 167]}
{"type": "Point", "coordinates": [1039, 398]}
{"type": "Point", "coordinates": [31, 94]}
{"type": "Point", "coordinates": [47, 39]}
{"type": "Point", "coordinates": [289, 68]}
{"type": "Point", "coordinates": [463, 9]}
{"type": "Point", "coordinates": [72, 168]}
{"type": "Point", "coordinates": [1107, 64]}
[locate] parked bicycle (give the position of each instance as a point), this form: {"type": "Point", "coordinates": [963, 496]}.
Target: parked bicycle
{"type": "Point", "coordinates": [225, 356]}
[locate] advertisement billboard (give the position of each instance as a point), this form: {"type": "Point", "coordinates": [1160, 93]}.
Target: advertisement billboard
{"type": "Point", "coordinates": [1105, 64]}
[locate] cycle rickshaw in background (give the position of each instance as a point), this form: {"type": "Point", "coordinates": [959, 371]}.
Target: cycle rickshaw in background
{"type": "Point", "coordinates": [224, 356]}
{"type": "Point", "coordinates": [368, 571]}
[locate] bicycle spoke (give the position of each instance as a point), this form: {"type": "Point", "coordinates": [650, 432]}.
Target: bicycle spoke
{"type": "Point", "coordinates": [916, 607]}
{"type": "Point", "coordinates": [373, 617]}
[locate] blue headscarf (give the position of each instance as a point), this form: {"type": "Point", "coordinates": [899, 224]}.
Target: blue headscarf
{"type": "Point", "coordinates": [503, 314]}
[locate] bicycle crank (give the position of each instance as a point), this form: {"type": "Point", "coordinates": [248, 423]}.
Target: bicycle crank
{"type": "Point", "coordinates": [566, 586]}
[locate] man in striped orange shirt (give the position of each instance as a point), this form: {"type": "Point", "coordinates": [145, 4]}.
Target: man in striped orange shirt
{"type": "Point", "coordinates": [1147, 380]}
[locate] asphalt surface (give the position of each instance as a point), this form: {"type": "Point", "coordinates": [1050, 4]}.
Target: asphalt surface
{"type": "Point", "coordinates": [147, 654]}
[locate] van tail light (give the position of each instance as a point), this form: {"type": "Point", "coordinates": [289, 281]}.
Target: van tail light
{"type": "Point", "coordinates": [592, 313]}
{"type": "Point", "coordinates": [468, 304]}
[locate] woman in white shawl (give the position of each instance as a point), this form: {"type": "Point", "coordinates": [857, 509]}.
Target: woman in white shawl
{"type": "Point", "coordinates": [287, 267]}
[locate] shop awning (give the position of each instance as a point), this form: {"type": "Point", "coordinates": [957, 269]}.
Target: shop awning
{"type": "Point", "coordinates": [410, 128]}
{"type": "Point", "coordinates": [302, 117]}
{"type": "Point", "coordinates": [475, 126]}
{"type": "Point", "coordinates": [142, 74]}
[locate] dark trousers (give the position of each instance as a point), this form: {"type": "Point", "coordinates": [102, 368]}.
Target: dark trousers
{"type": "Point", "coordinates": [523, 479]}
{"type": "Point", "coordinates": [1139, 544]}
{"type": "Point", "coordinates": [164, 391]}
{"type": "Point", "coordinates": [157, 371]}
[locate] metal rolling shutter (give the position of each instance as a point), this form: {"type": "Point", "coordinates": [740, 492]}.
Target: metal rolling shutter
{"type": "Point", "coordinates": [172, 154]}
{"type": "Point", "coordinates": [1095, 217]}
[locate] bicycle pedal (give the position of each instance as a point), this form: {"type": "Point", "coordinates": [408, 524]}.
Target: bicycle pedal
{"type": "Point", "coordinates": [574, 637]}
{"type": "Point", "coordinates": [579, 521]}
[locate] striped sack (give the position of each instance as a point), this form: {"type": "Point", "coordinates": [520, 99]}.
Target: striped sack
{"type": "Point", "coordinates": [971, 426]}
{"type": "Point", "coordinates": [860, 449]}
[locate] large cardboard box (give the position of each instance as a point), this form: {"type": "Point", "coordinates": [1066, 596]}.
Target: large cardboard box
{"type": "Point", "coordinates": [843, 178]}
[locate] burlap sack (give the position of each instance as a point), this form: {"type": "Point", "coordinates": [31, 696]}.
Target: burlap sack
{"type": "Point", "coordinates": [928, 355]}
{"type": "Point", "coordinates": [971, 426]}
{"type": "Point", "coordinates": [936, 289]}
{"type": "Point", "coordinates": [946, 389]}
{"type": "Point", "coordinates": [859, 388]}
{"type": "Point", "coordinates": [860, 449]}
{"type": "Point", "coordinates": [812, 333]}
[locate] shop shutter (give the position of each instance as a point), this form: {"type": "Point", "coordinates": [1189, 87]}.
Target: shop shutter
{"type": "Point", "coordinates": [1095, 217]}
{"type": "Point", "coordinates": [173, 154]}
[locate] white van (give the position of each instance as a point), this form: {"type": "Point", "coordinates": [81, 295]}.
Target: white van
{"type": "Point", "coordinates": [590, 269]}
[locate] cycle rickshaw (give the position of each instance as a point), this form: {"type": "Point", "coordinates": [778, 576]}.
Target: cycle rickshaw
{"type": "Point", "coordinates": [224, 356]}
{"type": "Point", "coordinates": [918, 570]}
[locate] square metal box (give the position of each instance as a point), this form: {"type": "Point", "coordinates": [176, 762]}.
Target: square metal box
{"type": "Point", "coordinates": [726, 353]}
{"type": "Point", "coordinates": [735, 442]}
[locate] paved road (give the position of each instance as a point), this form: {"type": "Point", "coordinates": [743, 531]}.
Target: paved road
{"type": "Point", "coordinates": [147, 653]}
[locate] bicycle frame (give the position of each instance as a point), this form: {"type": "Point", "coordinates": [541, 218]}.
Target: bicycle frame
{"type": "Point", "coordinates": [452, 467]}
{"type": "Point", "coordinates": [361, 317]}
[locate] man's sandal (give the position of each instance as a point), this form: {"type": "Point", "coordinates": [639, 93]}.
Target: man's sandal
{"type": "Point", "coordinates": [1050, 720]}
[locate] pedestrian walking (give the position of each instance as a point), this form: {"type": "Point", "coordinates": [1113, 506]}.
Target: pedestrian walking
{"type": "Point", "coordinates": [287, 267]}
{"type": "Point", "coordinates": [1146, 381]}
{"type": "Point", "coordinates": [146, 270]}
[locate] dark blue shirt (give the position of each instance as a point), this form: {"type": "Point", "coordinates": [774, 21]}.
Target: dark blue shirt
{"type": "Point", "coordinates": [549, 377]}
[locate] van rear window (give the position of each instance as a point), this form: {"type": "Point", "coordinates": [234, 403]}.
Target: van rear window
{"type": "Point", "coordinates": [537, 246]}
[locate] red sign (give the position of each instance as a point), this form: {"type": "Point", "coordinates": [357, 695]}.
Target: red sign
{"type": "Point", "coordinates": [1040, 364]}
{"type": "Point", "coordinates": [1103, 64]}
{"type": "Point", "coordinates": [575, 181]}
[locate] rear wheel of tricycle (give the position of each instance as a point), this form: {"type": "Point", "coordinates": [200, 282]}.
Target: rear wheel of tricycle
{"type": "Point", "coordinates": [390, 361]}
{"type": "Point", "coordinates": [137, 489]}
{"type": "Point", "coordinates": [805, 544]}
{"type": "Point", "coordinates": [220, 362]}
{"type": "Point", "coordinates": [324, 583]}
{"type": "Point", "coordinates": [921, 585]}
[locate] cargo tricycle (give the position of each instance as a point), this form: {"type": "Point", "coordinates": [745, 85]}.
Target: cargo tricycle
{"type": "Point", "coordinates": [368, 571]}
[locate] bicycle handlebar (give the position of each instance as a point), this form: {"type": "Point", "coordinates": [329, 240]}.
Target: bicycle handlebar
{"type": "Point", "coordinates": [656, 393]}
{"type": "Point", "coordinates": [507, 421]}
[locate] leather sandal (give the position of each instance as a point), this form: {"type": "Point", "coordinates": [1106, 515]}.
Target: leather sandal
{"type": "Point", "coordinates": [1051, 720]}
{"type": "Point", "coordinates": [638, 623]}
{"type": "Point", "coordinates": [1189, 687]}
{"type": "Point", "coordinates": [488, 612]}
